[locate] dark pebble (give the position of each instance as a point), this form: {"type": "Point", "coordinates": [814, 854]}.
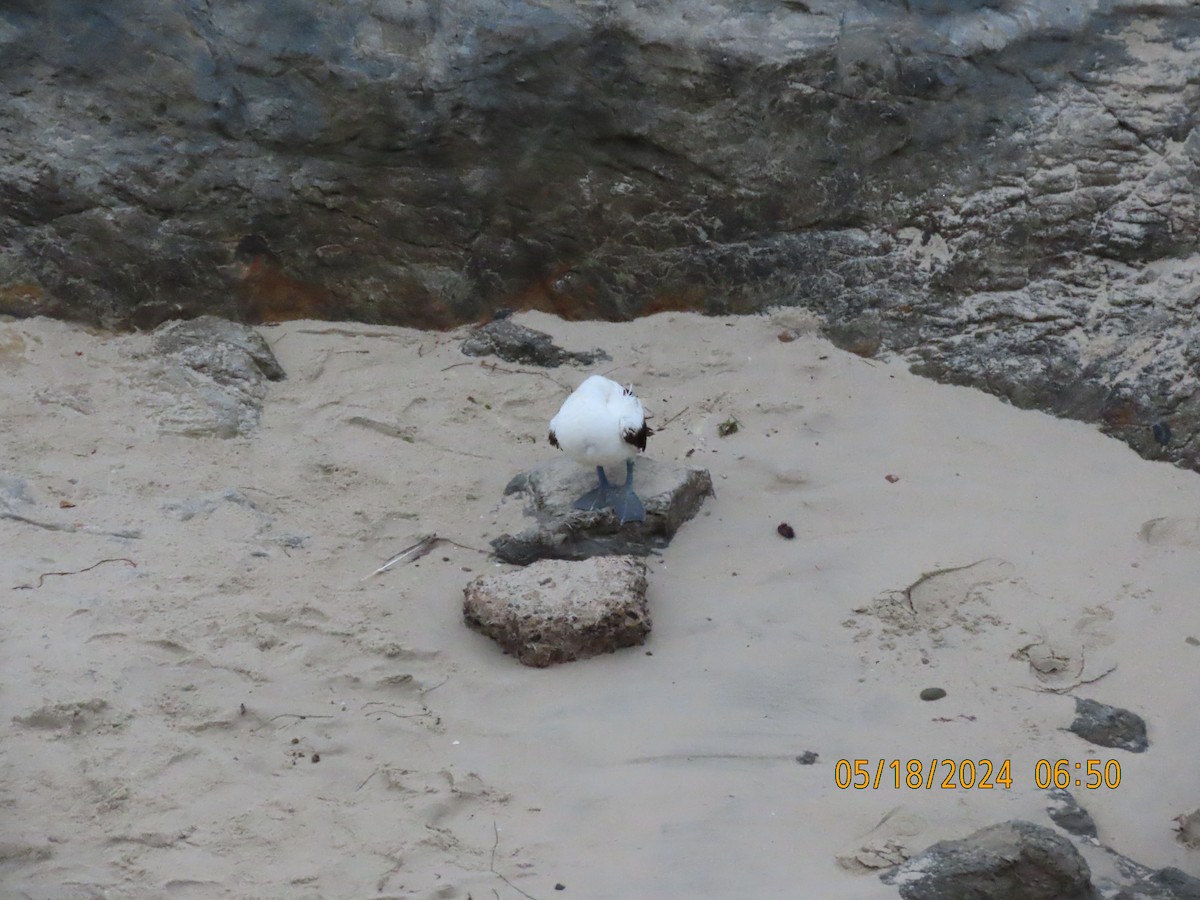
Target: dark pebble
{"type": "Point", "coordinates": [560, 887]}
{"type": "Point", "coordinates": [1162, 433]}
{"type": "Point", "coordinates": [786, 530]}
{"type": "Point", "coordinates": [807, 758]}
{"type": "Point", "coordinates": [1068, 814]}
{"type": "Point", "coordinates": [1109, 726]}
{"type": "Point", "coordinates": [933, 694]}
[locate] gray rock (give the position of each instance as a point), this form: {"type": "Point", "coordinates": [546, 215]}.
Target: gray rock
{"type": "Point", "coordinates": [1011, 861]}
{"type": "Point", "coordinates": [229, 351]}
{"type": "Point", "coordinates": [1068, 815]}
{"type": "Point", "coordinates": [208, 377]}
{"type": "Point", "coordinates": [555, 611]}
{"type": "Point", "coordinates": [517, 344]}
{"type": "Point", "coordinates": [1109, 726]}
{"type": "Point", "coordinates": [1003, 191]}
{"type": "Point", "coordinates": [671, 494]}
{"type": "Point", "coordinates": [1165, 884]}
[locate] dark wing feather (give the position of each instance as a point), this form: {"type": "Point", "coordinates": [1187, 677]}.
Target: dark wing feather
{"type": "Point", "coordinates": [637, 438]}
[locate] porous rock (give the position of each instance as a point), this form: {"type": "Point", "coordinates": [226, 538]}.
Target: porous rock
{"type": "Point", "coordinates": [517, 344]}
{"type": "Point", "coordinates": [1109, 726]}
{"type": "Point", "coordinates": [208, 377]}
{"type": "Point", "coordinates": [554, 611]}
{"type": "Point", "coordinates": [671, 495]}
{"type": "Point", "coordinates": [1014, 860]}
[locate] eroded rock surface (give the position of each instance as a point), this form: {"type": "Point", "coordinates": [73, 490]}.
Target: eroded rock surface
{"type": "Point", "coordinates": [555, 611]}
{"type": "Point", "coordinates": [1005, 191]}
{"type": "Point", "coordinates": [671, 494]}
{"type": "Point", "coordinates": [517, 344]}
{"type": "Point", "coordinates": [208, 377]}
{"type": "Point", "coordinates": [1011, 861]}
{"type": "Point", "coordinates": [1164, 884]}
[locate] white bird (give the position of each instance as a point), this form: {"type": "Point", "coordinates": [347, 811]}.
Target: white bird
{"type": "Point", "coordinates": [603, 424]}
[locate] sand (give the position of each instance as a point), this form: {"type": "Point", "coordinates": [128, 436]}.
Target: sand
{"type": "Point", "coordinates": [230, 707]}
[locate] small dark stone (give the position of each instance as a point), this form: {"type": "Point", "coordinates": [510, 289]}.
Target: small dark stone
{"type": "Point", "coordinates": [1068, 815]}
{"type": "Point", "coordinates": [316, 757]}
{"type": "Point", "coordinates": [786, 530]}
{"type": "Point", "coordinates": [560, 887]}
{"type": "Point", "coordinates": [933, 693]}
{"type": "Point", "coordinates": [807, 758]}
{"type": "Point", "coordinates": [1109, 726]}
{"type": "Point", "coordinates": [1162, 433]}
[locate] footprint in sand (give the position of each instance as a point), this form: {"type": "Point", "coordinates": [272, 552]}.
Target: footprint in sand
{"type": "Point", "coordinates": [1171, 532]}
{"type": "Point", "coordinates": [942, 598]}
{"type": "Point", "coordinates": [887, 844]}
{"type": "Point", "coordinates": [1061, 657]}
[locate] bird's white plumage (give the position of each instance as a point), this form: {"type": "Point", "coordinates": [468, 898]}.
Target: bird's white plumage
{"type": "Point", "coordinates": [593, 423]}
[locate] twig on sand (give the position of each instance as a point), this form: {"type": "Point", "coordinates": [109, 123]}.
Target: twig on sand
{"type": "Point", "coordinates": [672, 419]}
{"type": "Point", "coordinates": [414, 552]}
{"type": "Point", "coordinates": [363, 783]}
{"type": "Point", "coordinates": [388, 712]}
{"type": "Point", "coordinates": [1071, 687]}
{"type": "Point", "coordinates": [493, 367]}
{"type": "Point", "coordinates": [496, 844]}
{"type": "Point", "coordinates": [71, 529]}
{"type": "Point", "coordinates": [45, 575]}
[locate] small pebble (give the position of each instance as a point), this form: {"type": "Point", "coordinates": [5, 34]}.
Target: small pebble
{"type": "Point", "coordinates": [932, 694]}
{"type": "Point", "coordinates": [807, 758]}
{"type": "Point", "coordinates": [560, 887]}
{"type": "Point", "coordinates": [786, 530]}
{"type": "Point", "coordinates": [316, 757]}
{"type": "Point", "coordinates": [1162, 433]}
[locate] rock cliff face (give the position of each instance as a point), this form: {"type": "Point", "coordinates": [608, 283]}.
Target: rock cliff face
{"type": "Point", "coordinates": [1003, 190]}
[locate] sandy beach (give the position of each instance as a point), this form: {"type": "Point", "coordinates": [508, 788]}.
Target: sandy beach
{"type": "Point", "coordinates": [206, 695]}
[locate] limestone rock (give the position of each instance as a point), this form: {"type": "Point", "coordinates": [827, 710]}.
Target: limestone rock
{"type": "Point", "coordinates": [1011, 861]}
{"type": "Point", "coordinates": [208, 377]}
{"type": "Point", "coordinates": [555, 611]}
{"type": "Point", "coordinates": [1109, 726]}
{"type": "Point", "coordinates": [671, 494]}
{"type": "Point", "coordinates": [517, 344]}
{"type": "Point", "coordinates": [1188, 829]}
